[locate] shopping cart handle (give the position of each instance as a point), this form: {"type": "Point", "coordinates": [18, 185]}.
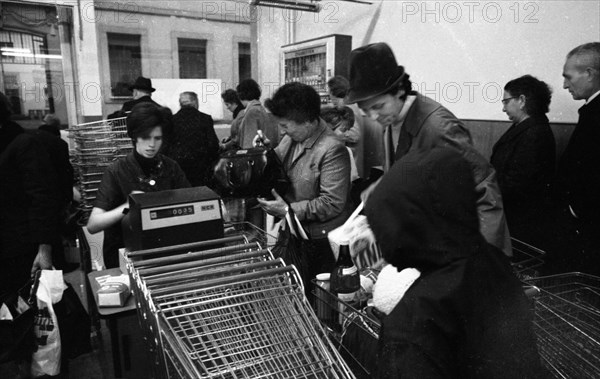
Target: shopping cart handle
{"type": "Point", "coordinates": [531, 291]}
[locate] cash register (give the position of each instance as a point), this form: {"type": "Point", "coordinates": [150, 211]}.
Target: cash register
{"type": "Point", "coordinates": [172, 217]}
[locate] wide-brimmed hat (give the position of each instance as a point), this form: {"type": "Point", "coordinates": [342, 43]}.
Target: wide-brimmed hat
{"type": "Point", "coordinates": [143, 84]}
{"type": "Point", "coordinates": [373, 71]}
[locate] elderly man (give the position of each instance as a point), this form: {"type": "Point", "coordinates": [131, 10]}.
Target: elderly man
{"type": "Point", "coordinates": [142, 93]}
{"type": "Point", "coordinates": [578, 176]}
{"type": "Point", "coordinates": [383, 91]}
{"type": "Point", "coordinates": [193, 142]}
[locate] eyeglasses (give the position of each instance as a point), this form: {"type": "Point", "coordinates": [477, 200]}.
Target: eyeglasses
{"type": "Point", "coordinates": [505, 101]}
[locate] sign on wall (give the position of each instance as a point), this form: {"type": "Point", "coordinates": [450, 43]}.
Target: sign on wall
{"type": "Point", "coordinates": [208, 90]}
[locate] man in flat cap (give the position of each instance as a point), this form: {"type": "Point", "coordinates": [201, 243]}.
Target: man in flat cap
{"type": "Point", "coordinates": [142, 93]}
{"type": "Point", "coordinates": [382, 89]}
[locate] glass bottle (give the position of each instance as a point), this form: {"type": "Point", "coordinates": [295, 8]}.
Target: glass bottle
{"type": "Point", "coordinates": [345, 280]}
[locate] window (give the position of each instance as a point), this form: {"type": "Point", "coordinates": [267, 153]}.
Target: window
{"type": "Point", "coordinates": [125, 61]}
{"type": "Point", "coordinates": [245, 62]}
{"type": "Point", "coordinates": [192, 58]}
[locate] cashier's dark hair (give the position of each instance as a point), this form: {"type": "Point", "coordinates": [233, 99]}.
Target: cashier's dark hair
{"type": "Point", "coordinates": [537, 94]}
{"type": "Point", "coordinates": [146, 116]}
{"type": "Point", "coordinates": [295, 101]}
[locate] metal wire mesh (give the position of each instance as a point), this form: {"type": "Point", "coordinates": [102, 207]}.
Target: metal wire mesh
{"type": "Point", "coordinates": [526, 259]}
{"type": "Point", "coordinates": [567, 322]}
{"type": "Point", "coordinates": [233, 314]}
{"type": "Point", "coordinates": [96, 145]}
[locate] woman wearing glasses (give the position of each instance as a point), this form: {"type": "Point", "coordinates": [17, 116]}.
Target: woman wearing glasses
{"type": "Point", "coordinates": [524, 158]}
{"type": "Point", "coordinates": [143, 170]}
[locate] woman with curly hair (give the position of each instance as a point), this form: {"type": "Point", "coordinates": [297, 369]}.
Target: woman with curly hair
{"type": "Point", "coordinates": [524, 158]}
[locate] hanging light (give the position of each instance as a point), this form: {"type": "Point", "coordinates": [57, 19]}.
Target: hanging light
{"type": "Point", "coordinates": [289, 4]}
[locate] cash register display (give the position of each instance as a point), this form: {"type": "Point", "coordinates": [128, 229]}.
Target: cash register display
{"type": "Point", "coordinates": [181, 214]}
{"type": "Point", "coordinates": [172, 212]}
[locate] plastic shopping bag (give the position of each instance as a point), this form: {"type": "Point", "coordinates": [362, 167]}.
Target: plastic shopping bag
{"type": "Point", "coordinates": [363, 247]}
{"type": "Point", "coordinates": [47, 351]}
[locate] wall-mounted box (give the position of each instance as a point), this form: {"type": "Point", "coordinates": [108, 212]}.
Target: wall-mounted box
{"type": "Point", "coordinates": [315, 61]}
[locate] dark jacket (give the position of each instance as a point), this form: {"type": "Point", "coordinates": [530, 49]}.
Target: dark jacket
{"type": "Point", "coordinates": [524, 159]}
{"type": "Point", "coordinates": [58, 152]}
{"type": "Point", "coordinates": [128, 106]}
{"type": "Point", "coordinates": [193, 144]}
{"type": "Point", "coordinates": [428, 124]}
{"type": "Point", "coordinates": [466, 316]}
{"type": "Point", "coordinates": [578, 174]}
{"type": "Point", "coordinates": [28, 195]}
{"type": "Point", "coordinates": [119, 180]}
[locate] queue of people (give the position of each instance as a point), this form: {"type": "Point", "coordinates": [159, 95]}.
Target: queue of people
{"type": "Point", "coordinates": [440, 207]}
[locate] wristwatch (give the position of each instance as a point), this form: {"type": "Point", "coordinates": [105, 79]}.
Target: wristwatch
{"type": "Point", "coordinates": [125, 211]}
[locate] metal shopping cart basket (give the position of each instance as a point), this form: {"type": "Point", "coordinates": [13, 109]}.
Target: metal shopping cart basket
{"type": "Point", "coordinates": [229, 310]}
{"type": "Point", "coordinates": [567, 324]}
{"type": "Point", "coordinates": [96, 145]}
{"type": "Point", "coordinates": [355, 331]}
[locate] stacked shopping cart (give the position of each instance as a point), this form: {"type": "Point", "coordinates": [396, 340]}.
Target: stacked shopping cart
{"type": "Point", "coordinates": [567, 323]}
{"type": "Point", "coordinates": [96, 145]}
{"type": "Point", "coordinates": [226, 309]}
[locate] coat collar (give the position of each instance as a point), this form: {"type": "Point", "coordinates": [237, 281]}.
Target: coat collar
{"type": "Point", "coordinates": [516, 130]}
{"type": "Point", "coordinates": [308, 144]}
{"type": "Point", "coordinates": [592, 106]}
{"type": "Point", "coordinates": [420, 110]}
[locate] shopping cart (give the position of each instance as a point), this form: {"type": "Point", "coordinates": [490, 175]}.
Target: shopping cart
{"type": "Point", "coordinates": [95, 146]}
{"type": "Point", "coordinates": [354, 331]}
{"type": "Point", "coordinates": [567, 324]}
{"type": "Point", "coordinates": [526, 259]}
{"type": "Point", "coordinates": [227, 309]}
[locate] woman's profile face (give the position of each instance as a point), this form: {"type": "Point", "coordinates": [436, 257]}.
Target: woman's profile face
{"type": "Point", "coordinates": [297, 132]}
{"type": "Point", "coordinates": [230, 106]}
{"type": "Point", "coordinates": [148, 145]}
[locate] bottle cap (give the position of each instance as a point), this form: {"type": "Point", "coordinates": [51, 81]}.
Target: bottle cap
{"type": "Point", "coordinates": [324, 276]}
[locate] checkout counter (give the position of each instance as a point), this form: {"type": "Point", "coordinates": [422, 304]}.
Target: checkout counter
{"type": "Point", "coordinates": [155, 220]}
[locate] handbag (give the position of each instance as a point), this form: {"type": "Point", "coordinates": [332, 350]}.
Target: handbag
{"type": "Point", "coordinates": [250, 173]}
{"type": "Point", "coordinates": [74, 324]}
{"type": "Point", "coordinates": [16, 324]}
{"type": "Point", "coordinates": [294, 246]}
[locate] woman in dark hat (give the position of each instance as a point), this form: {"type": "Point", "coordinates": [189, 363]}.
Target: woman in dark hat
{"type": "Point", "coordinates": [412, 121]}
{"type": "Point", "coordinates": [466, 315]}
{"type": "Point", "coordinates": [524, 158]}
{"type": "Point", "coordinates": [143, 170]}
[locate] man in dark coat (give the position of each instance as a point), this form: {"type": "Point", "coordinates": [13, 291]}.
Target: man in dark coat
{"type": "Point", "coordinates": [28, 204]}
{"type": "Point", "coordinates": [578, 174]}
{"type": "Point", "coordinates": [142, 93]}
{"type": "Point", "coordinates": [466, 316]}
{"type": "Point", "coordinates": [193, 142]}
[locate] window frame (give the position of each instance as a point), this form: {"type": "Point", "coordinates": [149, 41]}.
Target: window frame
{"type": "Point", "coordinates": [105, 62]}
{"type": "Point", "coordinates": [210, 51]}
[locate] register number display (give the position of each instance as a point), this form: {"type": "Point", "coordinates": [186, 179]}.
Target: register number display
{"type": "Point", "coordinates": [172, 212]}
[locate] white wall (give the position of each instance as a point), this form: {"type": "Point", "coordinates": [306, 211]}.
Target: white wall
{"type": "Point", "coordinates": [458, 52]}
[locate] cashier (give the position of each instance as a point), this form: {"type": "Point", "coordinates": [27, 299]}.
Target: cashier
{"type": "Point", "coordinates": [143, 170]}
